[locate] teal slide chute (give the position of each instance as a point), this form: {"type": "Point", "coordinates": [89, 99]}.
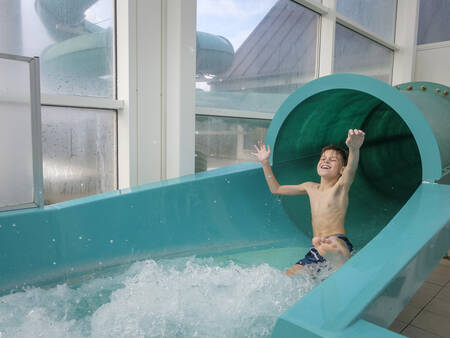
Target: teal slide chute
{"type": "Point", "coordinates": [398, 216]}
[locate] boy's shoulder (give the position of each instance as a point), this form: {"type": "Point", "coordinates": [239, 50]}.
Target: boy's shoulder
{"type": "Point", "coordinates": [310, 185]}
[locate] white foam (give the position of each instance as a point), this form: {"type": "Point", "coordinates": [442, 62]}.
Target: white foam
{"type": "Point", "coordinates": [187, 297]}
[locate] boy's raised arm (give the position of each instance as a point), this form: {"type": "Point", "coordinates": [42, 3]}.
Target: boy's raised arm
{"type": "Point", "coordinates": [263, 155]}
{"type": "Point", "coordinates": [354, 142]}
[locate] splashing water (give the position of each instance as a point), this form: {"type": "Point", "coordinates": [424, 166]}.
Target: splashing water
{"type": "Point", "coordinates": [189, 297]}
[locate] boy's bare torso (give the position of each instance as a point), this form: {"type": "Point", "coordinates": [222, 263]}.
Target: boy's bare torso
{"type": "Point", "coordinates": [328, 209]}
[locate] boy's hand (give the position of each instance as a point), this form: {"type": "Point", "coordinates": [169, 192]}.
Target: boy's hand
{"type": "Point", "coordinates": [263, 153]}
{"type": "Point", "coordinates": [355, 138]}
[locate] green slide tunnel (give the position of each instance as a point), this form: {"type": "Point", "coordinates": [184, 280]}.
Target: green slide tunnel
{"type": "Point", "coordinates": [398, 217]}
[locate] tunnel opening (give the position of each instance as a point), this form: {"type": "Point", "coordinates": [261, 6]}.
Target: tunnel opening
{"type": "Point", "coordinates": [390, 167]}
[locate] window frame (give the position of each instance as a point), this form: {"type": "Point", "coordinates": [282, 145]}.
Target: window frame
{"type": "Point", "coordinates": [115, 105]}
{"type": "Point", "coordinates": [328, 18]}
{"type": "Point", "coordinates": [36, 134]}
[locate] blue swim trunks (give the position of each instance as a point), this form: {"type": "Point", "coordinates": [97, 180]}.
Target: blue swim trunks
{"type": "Point", "coordinates": [313, 256]}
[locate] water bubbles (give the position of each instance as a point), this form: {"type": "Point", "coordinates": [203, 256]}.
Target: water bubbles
{"type": "Point", "coordinates": [13, 225]}
{"type": "Point", "coordinates": [183, 297]}
{"type": "Point", "coordinates": [111, 241]}
{"type": "Point", "coordinates": [221, 301]}
{"type": "Point", "coordinates": [53, 240]}
{"type": "Point", "coordinates": [227, 181]}
{"type": "Point", "coordinates": [0, 225]}
{"type": "Point", "coordinates": [214, 201]}
{"type": "Point", "coordinates": [80, 237]}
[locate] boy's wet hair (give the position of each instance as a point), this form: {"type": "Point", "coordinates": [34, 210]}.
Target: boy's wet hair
{"type": "Point", "coordinates": [339, 150]}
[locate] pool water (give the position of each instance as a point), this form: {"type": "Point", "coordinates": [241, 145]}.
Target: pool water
{"type": "Point", "coordinates": [235, 295]}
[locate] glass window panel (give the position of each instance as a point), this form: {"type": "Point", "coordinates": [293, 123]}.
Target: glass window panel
{"type": "Point", "coordinates": [250, 56]}
{"type": "Point", "coordinates": [261, 47]}
{"type": "Point", "coordinates": [16, 165]}
{"type": "Point", "coordinates": [377, 16]}
{"type": "Point", "coordinates": [354, 53]}
{"type": "Point", "coordinates": [74, 40]}
{"type": "Point", "coordinates": [434, 19]}
{"type": "Point", "coordinates": [79, 151]}
{"type": "Point", "coordinates": [222, 141]}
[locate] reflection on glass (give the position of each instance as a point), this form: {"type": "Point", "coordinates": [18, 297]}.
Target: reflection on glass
{"type": "Point", "coordinates": [251, 55]}
{"type": "Point", "coordinates": [74, 40]}
{"type": "Point", "coordinates": [79, 152]}
{"type": "Point", "coordinates": [272, 47]}
{"type": "Point", "coordinates": [16, 164]}
{"type": "Point", "coordinates": [377, 16]}
{"type": "Point", "coordinates": [434, 19]}
{"type": "Point", "coordinates": [354, 53]}
{"type": "Point", "coordinates": [222, 141]}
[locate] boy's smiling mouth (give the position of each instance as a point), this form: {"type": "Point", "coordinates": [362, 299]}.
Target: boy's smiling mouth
{"type": "Point", "coordinates": [325, 166]}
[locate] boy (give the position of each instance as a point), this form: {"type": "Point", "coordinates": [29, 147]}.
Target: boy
{"type": "Point", "coordinates": [328, 199]}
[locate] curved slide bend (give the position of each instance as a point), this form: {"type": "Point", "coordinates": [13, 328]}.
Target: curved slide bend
{"type": "Point", "coordinates": [398, 217]}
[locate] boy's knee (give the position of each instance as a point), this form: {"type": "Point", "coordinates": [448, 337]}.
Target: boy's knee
{"type": "Point", "coordinates": [316, 241]}
{"type": "Point", "coordinates": [293, 270]}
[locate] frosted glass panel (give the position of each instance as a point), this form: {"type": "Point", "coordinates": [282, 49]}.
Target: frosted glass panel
{"type": "Point", "coordinates": [79, 152]}
{"type": "Point", "coordinates": [221, 141]}
{"type": "Point", "coordinates": [74, 40]}
{"type": "Point", "coordinates": [16, 164]}
{"type": "Point", "coordinates": [434, 19]}
{"type": "Point", "coordinates": [354, 53]}
{"type": "Point", "coordinates": [377, 16]}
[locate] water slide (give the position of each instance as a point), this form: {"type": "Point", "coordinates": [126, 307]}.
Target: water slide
{"type": "Point", "coordinates": [398, 219]}
{"type": "Point", "coordinates": [83, 49]}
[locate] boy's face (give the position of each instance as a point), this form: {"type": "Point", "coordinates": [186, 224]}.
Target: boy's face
{"type": "Point", "coordinates": [330, 164]}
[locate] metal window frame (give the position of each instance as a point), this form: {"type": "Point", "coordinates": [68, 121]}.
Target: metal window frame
{"type": "Point", "coordinates": [39, 99]}
{"type": "Point", "coordinates": [351, 24]}
{"type": "Point", "coordinates": [36, 138]}
{"type": "Point", "coordinates": [81, 102]}
{"type": "Point", "coordinates": [323, 60]}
